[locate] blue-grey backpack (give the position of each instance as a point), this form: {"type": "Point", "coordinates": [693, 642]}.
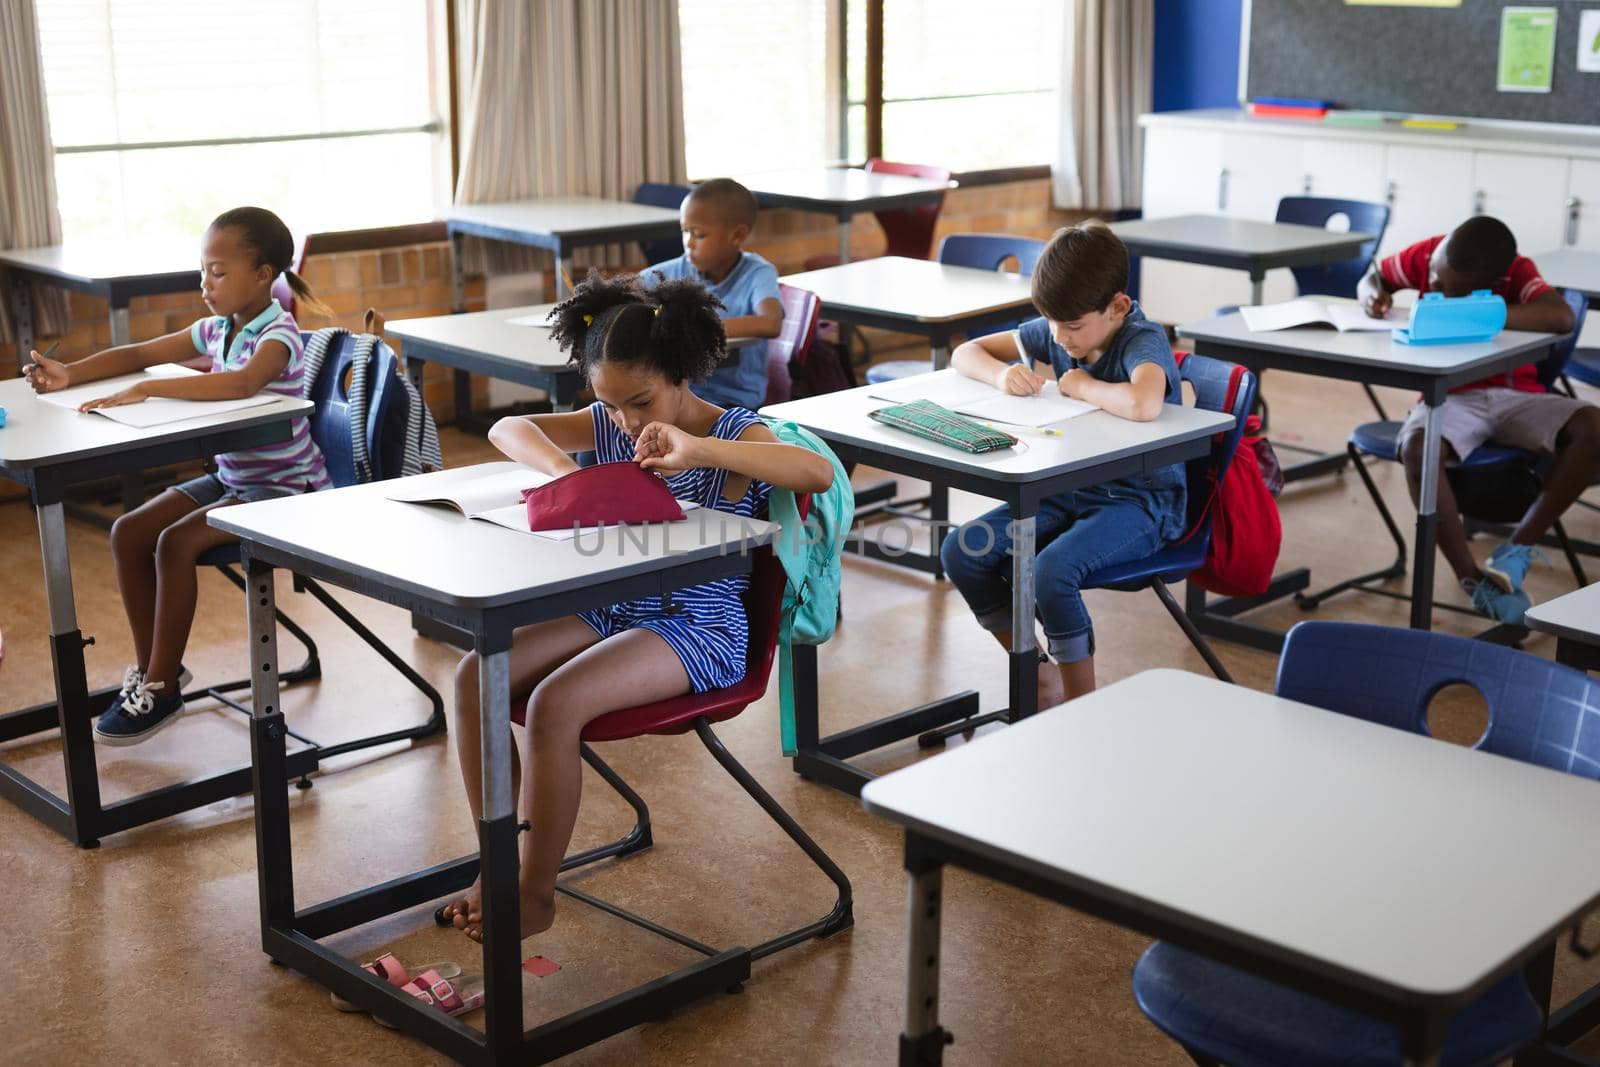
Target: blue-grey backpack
{"type": "Point", "coordinates": [809, 550]}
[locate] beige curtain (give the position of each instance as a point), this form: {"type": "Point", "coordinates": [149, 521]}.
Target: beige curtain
{"type": "Point", "coordinates": [1106, 83]}
{"type": "Point", "coordinates": [568, 98]}
{"type": "Point", "coordinates": [28, 213]}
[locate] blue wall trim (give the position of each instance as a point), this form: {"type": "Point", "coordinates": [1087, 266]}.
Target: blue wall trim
{"type": "Point", "coordinates": [1196, 53]}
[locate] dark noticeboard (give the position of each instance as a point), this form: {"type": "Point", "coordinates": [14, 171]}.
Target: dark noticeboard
{"type": "Point", "coordinates": [1409, 60]}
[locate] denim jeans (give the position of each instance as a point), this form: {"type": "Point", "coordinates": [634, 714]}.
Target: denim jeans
{"type": "Point", "coordinates": [1076, 534]}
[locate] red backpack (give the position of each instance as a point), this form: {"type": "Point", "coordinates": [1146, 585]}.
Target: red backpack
{"type": "Point", "coordinates": [1245, 531]}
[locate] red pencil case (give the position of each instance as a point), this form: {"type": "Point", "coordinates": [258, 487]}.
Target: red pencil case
{"type": "Point", "coordinates": [607, 494]}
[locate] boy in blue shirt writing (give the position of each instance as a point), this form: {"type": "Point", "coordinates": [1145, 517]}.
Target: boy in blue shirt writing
{"type": "Point", "coordinates": [718, 216]}
{"type": "Point", "coordinates": [1096, 345]}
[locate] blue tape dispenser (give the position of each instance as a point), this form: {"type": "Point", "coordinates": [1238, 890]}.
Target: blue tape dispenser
{"type": "Point", "coordinates": [1440, 320]}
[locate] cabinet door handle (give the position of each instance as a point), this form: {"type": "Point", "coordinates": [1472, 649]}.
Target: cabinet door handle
{"type": "Point", "coordinates": [1306, 188]}
{"type": "Point", "coordinates": [1478, 197]}
{"type": "Point", "coordinates": [1222, 189]}
{"type": "Point", "coordinates": [1389, 192]}
{"type": "Point", "coordinates": [1573, 207]}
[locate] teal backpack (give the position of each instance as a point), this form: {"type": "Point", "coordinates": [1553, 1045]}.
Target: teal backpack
{"type": "Point", "coordinates": [809, 550]}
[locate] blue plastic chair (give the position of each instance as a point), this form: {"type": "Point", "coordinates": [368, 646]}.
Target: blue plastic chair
{"type": "Point", "coordinates": [661, 194]}
{"type": "Point", "coordinates": [387, 409]}
{"type": "Point", "coordinates": [985, 251]}
{"type": "Point", "coordinates": [1211, 379]}
{"type": "Point", "coordinates": [1334, 279]}
{"type": "Point", "coordinates": [1381, 440]}
{"type": "Point", "coordinates": [1386, 676]}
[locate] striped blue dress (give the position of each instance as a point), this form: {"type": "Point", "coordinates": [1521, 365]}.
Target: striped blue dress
{"type": "Point", "coordinates": [710, 631]}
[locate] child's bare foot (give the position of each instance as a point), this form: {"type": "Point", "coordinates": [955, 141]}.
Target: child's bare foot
{"type": "Point", "coordinates": [537, 911]}
{"type": "Point", "coordinates": [459, 912]}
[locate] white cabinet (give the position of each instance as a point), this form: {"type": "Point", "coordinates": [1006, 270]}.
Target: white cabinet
{"type": "Point", "coordinates": [1181, 173]}
{"type": "Point", "coordinates": [1526, 192]}
{"type": "Point", "coordinates": [1583, 190]}
{"type": "Point", "coordinates": [1258, 171]}
{"type": "Point", "coordinates": [1429, 191]}
{"type": "Point", "coordinates": [1348, 170]}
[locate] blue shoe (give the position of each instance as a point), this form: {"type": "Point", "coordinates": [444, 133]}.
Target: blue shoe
{"type": "Point", "coordinates": [142, 713]}
{"type": "Point", "coordinates": [1489, 599]}
{"type": "Point", "coordinates": [1509, 564]}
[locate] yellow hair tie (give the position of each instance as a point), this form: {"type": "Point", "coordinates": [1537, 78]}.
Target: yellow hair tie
{"type": "Point", "coordinates": [658, 313]}
{"type": "Point", "coordinates": [588, 320]}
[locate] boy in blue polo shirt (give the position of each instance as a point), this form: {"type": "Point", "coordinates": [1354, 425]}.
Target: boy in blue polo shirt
{"type": "Point", "coordinates": [718, 216]}
{"type": "Point", "coordinates": [1096, 345]}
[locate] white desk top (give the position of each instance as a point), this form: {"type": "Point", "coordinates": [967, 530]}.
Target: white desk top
{"type": "Point", "coordinates": [565, 216]}
{"type": "Point", "coordinates": [1086, 441]}
{"type": "Point", "coordinates": [1575, 615]}
{"type": "Point", "coordinates": [1571, 268]}
{"type": "Point", "coordinates": [1223, 234]}
{"type": "Point", "coordinates": [109, 261]}
{"type": "Point", "coordinates": [489, 333]}
{"type": "Point", "coordinates": [839, 186]}
{"type": "Point", "coordinates": [1364, 347]}
{"type": "Point", "coordinates": [435, 552]}
{"type": "Point", "coordinates": [1378, 856]}
{"type": "Point", "coordinates": [916, 289]}
{"type": "Point", "coordinates": [37, 434]}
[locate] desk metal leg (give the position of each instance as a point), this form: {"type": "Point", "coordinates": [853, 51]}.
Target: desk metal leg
{"type": "Point", "coordinates": [844, 244]}
{"type": "Point", "coordinates": [1257, 284]}
{"type": "Point", "coordinates": [21, 313]}
{"type": "Point", "coordinates": [458, 278]}
{"type": "Point", "coordinates": [268, 745]}
{"type": "Point", "coordinates": [940, 354]}
{"type": "Point", "coordinates": [120, 334]}
{"type": "Point", "coordinates": [923, 1040]}
{"type": "Point", "coordinates": [497, 847]}
{"type": "Point", "coordinates": [1422, 1040]}
{"type": "Point", "coordinates": [1427, 525]}
{"type": "Point", "coordinates": [72, 691]}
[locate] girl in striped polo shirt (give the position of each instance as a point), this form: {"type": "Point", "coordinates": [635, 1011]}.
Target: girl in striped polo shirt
{"type": "Point", "coordinates": [254, 345]}
{"type": "Point", "coordinates": [639, 351]}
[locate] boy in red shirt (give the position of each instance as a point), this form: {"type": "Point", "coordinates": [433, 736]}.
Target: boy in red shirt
{"type": "Point", "coordinates": [1511, 409]}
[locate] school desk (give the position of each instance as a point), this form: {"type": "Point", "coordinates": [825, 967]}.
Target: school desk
{"type": "Point", "coordinates": [486, 580]}
{"type": "Point", "coordinates": [1571, 268]}
{"type": "Point", "coordinates": [1238, 244]}
{"type": "Point", "coordinates": [842, 192]}
{"type": "Point", "coordinates": [115, 271]}
{"type": "Point", "coordinates": [48, 448]}
{"type": "Point", "coordinates": [1260, 832]}
{"type": "Point", "coordinates": [557, 224]}
{"type": "Point", "coordinates": [1574, 619]}
{"type": "Point", "coordinates": [1092, 449]}
{"type": "Point", "coordinates": [1375, 359]}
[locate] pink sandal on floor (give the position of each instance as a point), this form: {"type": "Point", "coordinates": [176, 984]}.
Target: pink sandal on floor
{"type": "Point", "coordinates": [450, 998]}
{"type": "Point", "coordinates": [391, 970]}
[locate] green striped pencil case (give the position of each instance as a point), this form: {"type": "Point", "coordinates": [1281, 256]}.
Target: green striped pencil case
{"type": "Point", "coordinates": [927, 419]}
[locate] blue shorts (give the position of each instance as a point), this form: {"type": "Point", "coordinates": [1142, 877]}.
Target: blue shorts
{"type": "Point", "coordinates": [208, 489]}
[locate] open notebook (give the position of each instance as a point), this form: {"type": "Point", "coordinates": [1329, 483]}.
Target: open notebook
{"type": "Point", "coordinates": [495, 498]}
{"type": "Point", "coordinates": [1342, 317]}
{"type": "Point", "coordinates": [983, 401]}
{"type": "Point", "coordinates": [157, 410]}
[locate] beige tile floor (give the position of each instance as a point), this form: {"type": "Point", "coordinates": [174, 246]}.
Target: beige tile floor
{"type": "Point", "coordinates": [146, 950]}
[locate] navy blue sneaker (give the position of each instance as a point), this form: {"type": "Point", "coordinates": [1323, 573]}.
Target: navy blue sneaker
{"type": "Point", "coordinates": [136, 716]}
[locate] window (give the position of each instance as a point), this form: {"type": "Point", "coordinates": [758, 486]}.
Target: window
{"type": "Point", "coordinates": [167, 112]}
{"type": "Point", "coordinates": [756, 89]}
{"type": "Point", "coordinates": [963, 92]}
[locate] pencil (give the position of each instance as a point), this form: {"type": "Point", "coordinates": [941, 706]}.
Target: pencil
{"type": "Point", "coordinates": [565, 276]}
{"type": "Point", "coordinates": [1042, 431]}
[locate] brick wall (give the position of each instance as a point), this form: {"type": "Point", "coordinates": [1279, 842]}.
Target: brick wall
{"type": "Point", "coordinates": [415, 281]}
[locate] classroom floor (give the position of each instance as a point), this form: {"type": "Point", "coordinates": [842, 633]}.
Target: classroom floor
{"type": "Point", "coordinates": [146, 950]}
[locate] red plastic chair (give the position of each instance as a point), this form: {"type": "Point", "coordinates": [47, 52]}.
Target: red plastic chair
{"type": "Point", "coordinates": [909, 230]}
{"type": "Point", "coordinates": [697, 711]}
{"type": "Point", "coordinates": [801, 312]}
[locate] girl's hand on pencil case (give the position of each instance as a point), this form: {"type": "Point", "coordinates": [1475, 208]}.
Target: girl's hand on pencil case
{"type": "Point", "coordinates": [665, 449]}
